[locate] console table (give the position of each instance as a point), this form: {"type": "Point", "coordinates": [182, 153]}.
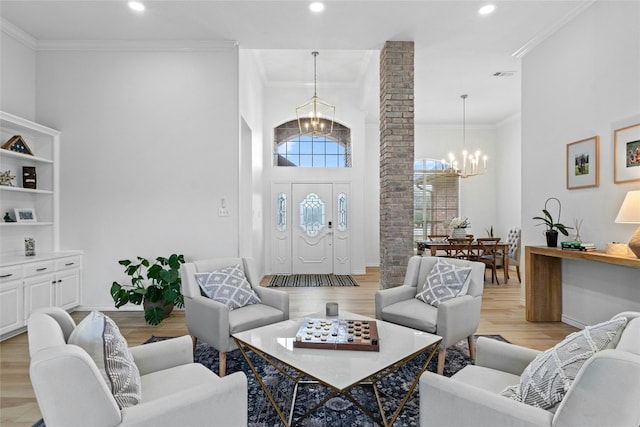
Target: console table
{"type": "Point", "coordinates": [544, 278]}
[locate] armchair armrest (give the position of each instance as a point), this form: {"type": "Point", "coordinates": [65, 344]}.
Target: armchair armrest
{"type": "Point", "coordinates": [208, 320]}
{"type": "Point", "coordinates": [274, 298]}
{"type": "Point", "coordinates": [605, 392]}
{"type": "Point", "coordinates": [385, 297]}
{"type": "Point", "coordinates": [503, 356]}
{"type": "Point", "coordinates": [458, 318]}
{"type": "Point", "coordinates": [445, 401]}
{"type": "Point", "coordinates": [222, 401]}
{"type": "Point", "coordinates": [70, 389]}
{"type": "Point", "coordinates": [161, 355]}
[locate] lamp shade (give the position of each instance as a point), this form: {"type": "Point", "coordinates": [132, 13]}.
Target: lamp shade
{"type": "Point", "coordinates": [630, 210]}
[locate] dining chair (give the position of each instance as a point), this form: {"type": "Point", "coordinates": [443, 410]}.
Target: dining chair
{"type": "Point", "coordinates": [489, 253]}
{"type": "Point", "coordinates": [461, 248]}
{"type": "Point", "coordinates": [514, 250]}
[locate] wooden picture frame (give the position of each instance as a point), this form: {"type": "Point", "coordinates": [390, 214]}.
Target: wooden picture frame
{"type": "Point", "coordinates": [25, 215]}
{"type": "Point", "coordinates": [18, 145]}
{"type": "Point", "coordinates": [626, 154]}
{"type": "Point", "coordinates": [583, 163]}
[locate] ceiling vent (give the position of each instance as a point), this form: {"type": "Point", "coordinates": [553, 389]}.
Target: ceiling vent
{"type": "Point", "coordinates": [504, 74]}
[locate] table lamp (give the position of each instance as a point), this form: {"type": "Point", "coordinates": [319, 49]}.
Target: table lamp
{"type": "Point", "coordinates": [630, 214]}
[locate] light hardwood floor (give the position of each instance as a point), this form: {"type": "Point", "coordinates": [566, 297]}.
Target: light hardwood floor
{"type": "Point", "coordinates": [501, 314]}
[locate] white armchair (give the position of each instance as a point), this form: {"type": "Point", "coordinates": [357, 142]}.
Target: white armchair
{"type": "Point", "coordinates": [605, 392]}
{"type": "Point", "coordinates": [454, 320]}
{"type": "Point", "coordinates": [71, 391]}
{"type": "Point", "coordinates": [213, 322]}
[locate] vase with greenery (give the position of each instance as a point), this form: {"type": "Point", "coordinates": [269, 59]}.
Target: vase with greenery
{"type": "Point", "coordinates": [154, 285]}
{"type": "Point", "coordinates": [552, 227]}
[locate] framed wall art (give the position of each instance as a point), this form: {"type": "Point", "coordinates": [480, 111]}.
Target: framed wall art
{"type": "Point", "coordinates": [25, 215]}
{"type": "Point", "coordinates": [583, 163]}
{"type": "Point", "coordinates": [626, 154]}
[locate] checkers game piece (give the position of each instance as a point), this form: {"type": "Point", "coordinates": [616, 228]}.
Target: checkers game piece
{"type": "Point", "coordinates": [338, 334]}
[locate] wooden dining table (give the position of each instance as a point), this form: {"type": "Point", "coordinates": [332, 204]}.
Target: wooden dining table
{"type": "Point", "coordinates": [435, 246]}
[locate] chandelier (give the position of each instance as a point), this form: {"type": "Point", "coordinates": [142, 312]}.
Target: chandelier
{"type": "Point", "coordinates": [315, 116]}
{"type": "Point", "coordinates": [470, 160]}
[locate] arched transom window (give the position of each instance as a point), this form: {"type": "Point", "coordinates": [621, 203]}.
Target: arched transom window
{"type": "Point", "coordinates": [312, 151]}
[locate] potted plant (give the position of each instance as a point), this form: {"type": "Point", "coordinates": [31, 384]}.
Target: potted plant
{"type": "Point", "coordinates": [553, 227]}
{"type": "Point", "coordinates": [154, 285]}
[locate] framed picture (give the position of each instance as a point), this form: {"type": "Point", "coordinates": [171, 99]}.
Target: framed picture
{"type": "Point", "coordinates": [25, 215]}
{"type": "Point", "coordinates": [626, 154]}
{"type": "Point", "coordinates": [583, 163]}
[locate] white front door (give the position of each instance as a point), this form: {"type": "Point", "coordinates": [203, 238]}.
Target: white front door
{"type": "Point", "coordinates": [312, 228]}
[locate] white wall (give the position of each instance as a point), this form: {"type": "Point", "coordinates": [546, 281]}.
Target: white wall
{"type": "Point", "coordinates": [251, 107]}
{"type": "Point", "coordinates": [583, 81]}
{"type": "Point", "coordinates": [372, 195]}
{"type": "Point", "coordinates": [508, 165]}
{"type": "Point", "coordinates": [149, 148]}
{"type": "Point", "coordinates": [18, 76]}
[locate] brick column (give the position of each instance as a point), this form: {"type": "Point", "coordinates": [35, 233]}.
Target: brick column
{"type": "Point", "coordinates": [396, 161]}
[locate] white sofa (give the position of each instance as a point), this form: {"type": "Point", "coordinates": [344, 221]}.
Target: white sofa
{"type": "Point", "coordinates": [605, 393]}
{"type": "Point", "coordinates": [454, 320]}
{"type": "Point", "coordinates": [71, 391]}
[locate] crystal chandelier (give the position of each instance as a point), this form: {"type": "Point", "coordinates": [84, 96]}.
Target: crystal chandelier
{"type": "Point", "coordinates": [470, 160]}
{"type": "Point", "coordinates": [315, 116]}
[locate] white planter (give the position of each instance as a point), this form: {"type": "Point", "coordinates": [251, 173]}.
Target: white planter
{"type": "Point", "coordinates": [459, 233]}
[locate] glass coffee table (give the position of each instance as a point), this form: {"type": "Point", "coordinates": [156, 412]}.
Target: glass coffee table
{"type": "Point", "coordinates": [339, 370]}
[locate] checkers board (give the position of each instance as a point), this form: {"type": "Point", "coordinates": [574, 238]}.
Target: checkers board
{"type": "Point", "coordinates": [338, 334]}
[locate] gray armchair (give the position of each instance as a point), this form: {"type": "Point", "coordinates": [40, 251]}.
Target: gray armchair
{"type": "Point", "coordinates": [213, 322]}
{"type": "Point", "coordinates": [71, 391]}
{"type": "Point", "coordinates": [454, 320]}
{"type": "Point", "coordinates": [605, 392]}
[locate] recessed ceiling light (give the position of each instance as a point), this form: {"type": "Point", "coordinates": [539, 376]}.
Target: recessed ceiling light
{"type": "Point", "coordinates": [487, 9]}
{"type": "Point", "coordinates": [316, 7]}
{"type": "Point", "coordinates": [136, 5]}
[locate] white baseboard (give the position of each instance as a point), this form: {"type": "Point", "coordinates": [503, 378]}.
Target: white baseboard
{"type": "Point", "coordinates": [107, 307]}
{"type": "Point", "coordinates": [573, 322]}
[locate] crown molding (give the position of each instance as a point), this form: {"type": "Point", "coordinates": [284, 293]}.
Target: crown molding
{"type": "Point", "coordinates": [550, 30]}
{"type": "Point", "coordinates": [136, 46]}
{"type": "Point", "coordinates": [20, 35]}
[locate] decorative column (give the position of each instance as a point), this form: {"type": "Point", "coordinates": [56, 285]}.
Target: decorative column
{"type": "Point", "coordinates": [396, 161]}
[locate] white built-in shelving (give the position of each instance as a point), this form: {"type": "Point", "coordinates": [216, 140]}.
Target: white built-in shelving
{"type": "Point", "coordinates": [52, 277]}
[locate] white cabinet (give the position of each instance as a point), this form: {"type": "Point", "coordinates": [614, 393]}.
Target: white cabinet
{"type": "Point", "coordinates": [11, 299]}
{"type": "Point", "coordinates": [29, 286]}
{"type": "Point", "coordinates": [51, 277]}
{"type": "Point", "coordinates": [38, 293]}
{"type": "Point", "coordinates": [67, 282]}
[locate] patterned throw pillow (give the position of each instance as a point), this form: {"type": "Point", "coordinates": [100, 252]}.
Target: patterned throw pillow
{"type": "Point", "coordinates": [444, 282]}
{"type": "Point", "coordinates": [549, 376]}
{"type": "Point", "coordinates": [228, 286]}
{"type": "Point", "coordinates": [99, 336]}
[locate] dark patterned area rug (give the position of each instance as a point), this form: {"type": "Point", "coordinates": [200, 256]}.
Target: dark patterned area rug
{"type": "Point", "coordinates": [338, 411]}
{"type": "Point", "coordinates": [311, 280]}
